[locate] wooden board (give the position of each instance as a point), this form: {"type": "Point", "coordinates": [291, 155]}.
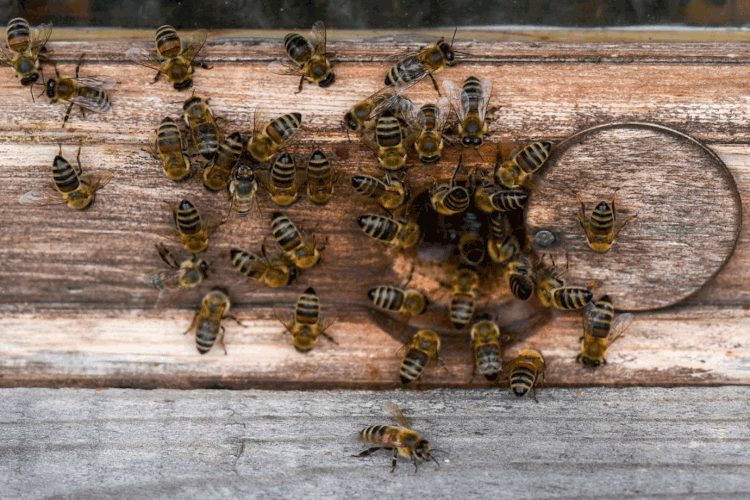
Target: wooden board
{"type": "Point", "coordinates": [74, 309]}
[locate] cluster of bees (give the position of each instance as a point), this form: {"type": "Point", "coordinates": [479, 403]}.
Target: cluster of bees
{"type": "Point", "coordinates": [475, 217]}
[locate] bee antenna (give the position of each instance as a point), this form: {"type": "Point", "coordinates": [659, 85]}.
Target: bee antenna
{"type": "Point", "coordinates": [454, 35]}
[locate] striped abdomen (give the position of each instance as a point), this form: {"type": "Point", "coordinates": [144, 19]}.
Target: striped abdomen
{"type": "Point", "coordinates": [298, 48]}
{"type": "Point", "coordinates": [569, 298]}
{"type": "Point", "coordinates": [388, 131]}
{"type": "Point", "coordinates": [217, 176]}
{"type": "Point", "coordinates": [414, 363]}
{"type": "Point", "coordinates": [247, 263]}
{"type": "Point", "coordinates": [497, 225]}
{"type": "Point", "coordinates": [243, 189]}
{"type": "Point", "coordinates": [308, 308]}
{"type": "Point", "coordinates": [285, 233]}
{"type": "Point", "coordinates": [168, 138]}
{"type": "Point", "coordinates": [18, 34]}
{"type": "Point", "coordinates": [187, 218]}
{"type": "Point", "coordinates": [471, 248]}
{"type": "Point", "coordinates": [206, 138]}
{"type": "Point", "coordinates": [379, 227]}
{"type": "Point", "coordinates": [600, 319]}
{"type": "Point", "coordinates": [282, 127]}
{"type": "Point", "coordinates": [489, 362]}
{"type": "Point", "coordinates": [368, 186]}
{"type": "Point", "coordinates": [284, 173]}
{"type": "Point", "coordinates": [451, 200]}
{"type": "Point", "coordinates": [405, 71]}
{"type": "Point", "coordinates": [473, 88]}
{"type": "Point", "coordinates": [602, 219]}
{"type": "Point", "coordinates": [533, 156]}
{"type": "Point", "coordinates": [64, 175]}
{"type": "Point", "coordinates": [387, 297]}
{"type": "Point", "coordinates": [503, 250]}
{"type": "Point", "coordinates": [504, 201]}
{"type": "Point", "coordinates": [168, 42]}
{"type": "Point", "coordinates": [379, 434]}
{"type": "Point", "coordinates": [521, 285]}
{"type": "Point", "coordinates": [206, 334]}
{"type": "Point", "coordinates": [522, 379]}
{"type": "Point", "coordinates": [98, 99]}
{"type": "Point", "coordinates": [430, 114]}
{"type": "Point", "coordinates": [320, 178]}
{"type": "Point", "coordinates": [461, 309]}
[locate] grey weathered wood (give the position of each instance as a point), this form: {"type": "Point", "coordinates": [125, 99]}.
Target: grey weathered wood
{"type": "Point", "coordinates": [645, 443]}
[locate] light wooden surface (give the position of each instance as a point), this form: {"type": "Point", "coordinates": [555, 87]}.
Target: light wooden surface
{"type": "Point", "coordinates": [592, 443]}
{"type": "Point", "coordinates": [74, 312]}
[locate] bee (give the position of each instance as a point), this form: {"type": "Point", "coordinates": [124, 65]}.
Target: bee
{"type": "Point", "coordinates": [218, 173]}
{"type": "Point", "coordinates": [25, 45]}
{"type": "Point", "coordinates": [504, 250]}
{"type": "Point", "coordinates": [402, 440]}
{"type": "Point", "coordinates": [600, 227]}
{"type": "Point", "coordinates": [432, 120]}
{"type": "Point", "coordinates": [283, 181]}
{"type": "Point", "coordinates": [389, 193]}
{"type": "Point", "coordinates": [400, 233]}
{"type": "Point", "coordinates": [185, 274]}
{"type": "Point", "coordinates": [407, 302]}
{"type": "Point", "coordinates": [272, 273]}
{"type": "Point", "coordinates": [520, 277]}
{"type": "Point", "coordinates": [306, 325]}
{"type": "Point", "coordinates": [600, 330]}
{"type": "Point", "coordinates": [207, 321]}
{"type": "Point", "coordinates": [449, 199]}
{"type": "Point", "coordinates": [413, 66]}
{"type": "Point", "coordinates": [523, 371]}
{"type": "Point", "coordinates": [389, 141]}
{"type": "Point", "coordinates": [421, 351]}
{"type": "Point", "coordinates": [300, 250]}
{"type": "Point", "coordinates": [204, 131]}
{"type": "Point", "coordinates": [517, 171]}
{"type": "Point", "coordinates": [310, 59]}
{"type": "Point", "coordinates": [242, 189]}
{"type": "Point", "coordinates": [465, 286]}
{"type": "Point", "coordinates": [471, 248]}
{"type": "Point", "coordinates": [278, 133]}
{"type": "Point", "coordinates": [470, 103]}
{"type": "Point", "coordinates": [321, 177]}
{"type": "Point", "coordinates": [86, 93]}
{"type": "Point", "coordinates": [553, 292]}
{"type": "Point", "coordinates": [483, 194]}
{"type": "Point", "coordinates": [71, 186]}
{"type": "Point", "coordinates": [174, 56]}
{"type": "Point", "coordinates": [362, 116]}
{"type": "Point", "coordinates": [167, 147]}
{"type": "Point", "coordinates": [192, 231]}
{"type": "Point", "coordinates": [485, 343]}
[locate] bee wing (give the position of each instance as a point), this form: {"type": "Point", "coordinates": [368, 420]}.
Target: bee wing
{"type": "Point", "coordinates": [97, 179]}
{"type": "Point", "coordinates": [283, 67]}
{"type": "Point", "coordinates": [48, 195]}
{"type": "Point", "coordinates": [39, 37]}
{"type": "Point", "coordinates": [163, 279]}
{"type": "Point", "coordinates": [457, 98]}
{"type": "Point", "coordinates": [588, 312]}
{"type": "Point", "coordinates": [395, 102]}
{"type": "Point", "coordinates": [318, 37]}
{"type": "Point", "coordinates": [619, 325]}
{"type": "Point", "coordinates": [404, 54]}
{"type": "Point", "coordinates": [397, 415]}
{"type": "Point", "coordinates": [368, 139]}
{"type": "Point", "coordinates": [100, 82]}
{"type": "Point", "coordinates": [484, 100]}
{"type": "Point", "coordinates": [192, 43]}
{"type": "Point", "coordinates": [5, 58]}
{"type": "Point", "coordinates": [145, 57]}
{"type": "Point", "coordinates": [444, 112]}
{"type": "Point", "coordinates": [260, 118]}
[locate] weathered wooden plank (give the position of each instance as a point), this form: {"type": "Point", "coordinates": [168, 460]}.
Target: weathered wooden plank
{"type": "Point", "coordinates": [685, 443]}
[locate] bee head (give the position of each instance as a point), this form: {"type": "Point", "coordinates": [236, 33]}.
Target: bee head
{"type": "Point", "coordinates": [191, 101]}
{"type": "Point", "coordinates": [204, 267]}
{"type": "Point", "coordinates": [447, 51]}
{"type": "Point", "coordinates": [185, 84]}
{"type": "Point", "coordinates": [471, 141]}
{"type": "Point", "coordinates": [30, 80]}
{"type": "Point", "coordinates": [593, 363]}
{"type": "Point", "coordinates": [422, 450]}
{"type": "Point", "coordinates": [329, 79]}
{"type": "Point", "coordinates": [51, 88]}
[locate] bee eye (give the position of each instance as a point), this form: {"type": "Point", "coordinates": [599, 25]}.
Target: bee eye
{"type": "Point", "coordinates": [467, 141]}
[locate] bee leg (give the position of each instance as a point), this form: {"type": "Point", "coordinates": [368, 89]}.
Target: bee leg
{"type": "Point", "coordinates": [615, 233]}
{"type": "Point", "coordinates": [533, 394]}
{"type": "Point", "coordinates": [220, 340]}
{"type": "Point", "coordinates": [200, 64]}
{"type": "Point", "coordinates": [368, 451]}
{"type": "Point", "coordinates": [578, 358]}
{"type": "Point", "coordinates": [395, 460]}
{"type": "Point", "coordinates": [193, 324]}
{"type": "Point", "coordinates": [434, 84]}
{"type": "Point", "coordinates": [156, 78]}
{"type": "Point", "coordinates": [78, 66]}
{"type": "Point", "coordinates": [301, 80]}
{"type": "Point", "coordinates": [167, 256]}
{"type": "Point", "coordinates": [78, 160]}
{"type": "Point", "coordinates": [229, 316]}
{"type": "Point", "coordinates": [329, 337]}
{"type": "Point", "coordinates": [416, 465]}
{"type": "Point", "coordinates": [67, 114]}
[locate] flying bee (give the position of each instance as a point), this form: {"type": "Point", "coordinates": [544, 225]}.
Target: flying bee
{"type": "Point", "coordinates": [185, 274]}
{"type": "Point", "coordinates": [192, 231]}
{"type": "Point", "coordinates": [402, 440]}
{"type": "Point", "coordinates": [600, 330]}
{"type": "Point", "coordinates": [518, 170]}
{"type": "Point", "coordinates": [421, 352]}
{"type": "Point", "coordinates": [300, 249]}
{"type": "Point", "coordinates": [310, 59]}
{"type": "Point", "coordinates": [86, 93]}
{"type": "Point", "coordinates": [450, 199]}
{"type": "Point", "coordinates": [71, 186]}
{"type": "Point", "coordinates": [283, 181]}
{"type": "Point", "coordinates": [207, 321]}
{"type": "Point", "coordinates": [204, 131]}
{"type": "Point", "coordinates": [523, 371]}
{"type": "Point", "coordinates": [390, 141]}
{"type": "Point", "coordinates": [167, 147]}
{"type": "Point", "coordinates": [600, 226]}
{"type": "Point", "coordinates": [306, 325]}
{"type": "Point", "coordinates": [243, 189]}
{"type": "Point", "coordinates": [470, 103]}
{"type": "Point", "coordinates": [406, 302]}
{"type": "Point", "coordinates": [272, 273]}
{"type": "Point", "coordinates": [520, 276]}
{"type": "Point", "coordinates": [321, 176]}
{"type": "Point", "coordinates": [218, 173]}
{"type": "Point", "coordinates": [25, 45]}
{"type": "Point", "coordinates": [485, 343]}
{"type": "Point", "coordinates": [174, 56]}
{"type": "Point", "coordinates": [432, 120]}
{"type": "Point", "coordinates": [399, 233]}
{"type": "Point", "coordinates": [389, 193]}
{"type": "Point", "coordinates": [465, 285]}
{"type": "Point", "coordinates": [279, 132]}
{"type": "Point", "coordinates": [412, 66]}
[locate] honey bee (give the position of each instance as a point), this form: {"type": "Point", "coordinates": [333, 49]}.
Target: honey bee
{"type": "Point", "coordinates": [421, 352]}
{"type": "Point", "coordinates": [192, 231]}
{"type": "Point", "coordinates": [523, 371]}
{"type": "Point", "coordinates": [86, 93]}
{"type": "Point", "coordinates": [600, 227]}
{"type": "Point", "coordinates": [504, 250]}
{"type": "Point", "coordinates": [389, 141]}
{"type": "Point", "coordinates": [520, 277]}
{"type": "Point", "coordinates": [518, 170]}
{"type": "Point", "coordinates": [363, 115]}
{"type": "Point", "coordinates": [283, 181]}
{"type": "Point", "coordinates": [407, 302]}
{"type": "Point", "coordinates": [204, 131]}
{"type": "Point", "coordinates": [432, 120]}
{"type": "Point", "coordinates": [402, 440]}
{"type": "Point", "coordinates": [399, 233]}
{"type": "Point", "coordinates": [218, 173]}
{"type": "Point", "coordinates": [243, 189]}
{"type": "Point", "coordinates": [185, 274]}
{"type": "Point", "coordinates": [412, 66]}
{"type": "Point", "coordinates": [471, 248]}
{"type": "Point", "coordinates": [25, 45]}
{"type": "Point", "coordinates": [71, 186]}
{"type": "Point", "coordinates": [389, 193]}
{"type": "Point", "coordinates": [167, 147]}
{"type": "Point", "coordinates": [174, 56]}
{"type": "Point", "coordinates": [272, 273]}
{"type": "Point", "coordinates": [485, 343]}
{"type": "Point", "coordinates": [599, 331]}
{"type": "Point", "coordinates": [207, 321]}
{"type": "Point", "coordinates": [278, 133]}
{"type": "Point", "coordinates": [321, 176]}
{"type": "Point", "coordinates": [465, 285]}
{"type": "Point", "coordinates": [450, 199]}
{"type": "Point", "coordinates": [306, 325]}
{"type": "Point", "coordinates": [310, 59]}
{"type": "Point", "coordinates": [300, 250]}
{"type": "Point", "coordinates": [553, 292]}
{"type": "Point", "coordinates": [483, 194]}
{"type": "Point", "coordinates": [470, 103]}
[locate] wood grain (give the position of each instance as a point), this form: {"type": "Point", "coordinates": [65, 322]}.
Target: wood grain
{"type": "Point", "coordinates": [75, 313]}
